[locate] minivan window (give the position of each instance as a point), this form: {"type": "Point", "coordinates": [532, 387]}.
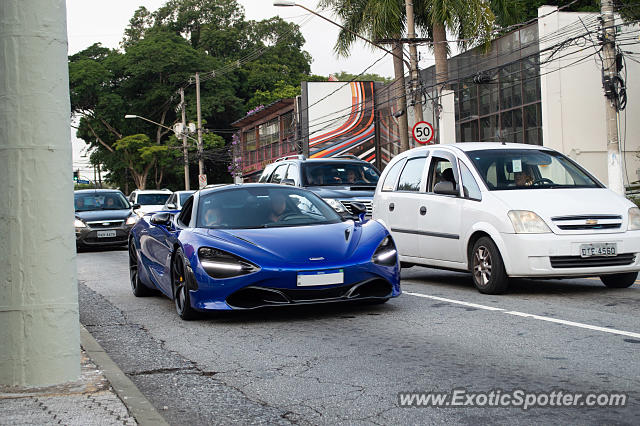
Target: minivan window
{"type": "Point", "coordinates": [411, 176]}
{"type": "Point", "coordinates": [441, 170]}
{"type": "Point", "coordinates": [392, 176]}
{"type": "Point", "coordinates": [469, 184]}
{"type": "Point", "coordinates": [507, 169]}
{"type": "Point", "coordinates": [278, 174]}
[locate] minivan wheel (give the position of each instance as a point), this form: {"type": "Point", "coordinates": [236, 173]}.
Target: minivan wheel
{"type": "Point", "coordinates": [619, 280]}
{"type": "Point", "coordinates": [487, 267]}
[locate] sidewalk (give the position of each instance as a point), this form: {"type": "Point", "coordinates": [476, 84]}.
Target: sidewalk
{"type": "Point", "coordinates": [102, 396]}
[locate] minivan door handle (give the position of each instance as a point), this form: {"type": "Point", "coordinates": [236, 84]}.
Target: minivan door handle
{"type": "Point", "coordinates": [423, 210]}
{"type": "Point", "coordinates": [391, 207]}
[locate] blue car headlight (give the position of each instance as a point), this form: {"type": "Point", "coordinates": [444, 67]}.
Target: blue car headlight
{"type": "Point", "coordinates": [386, 253]}
{"type": "Point", "coordinates": [220, 264]}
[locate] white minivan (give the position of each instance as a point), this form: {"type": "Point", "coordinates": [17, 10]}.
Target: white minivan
{"type": "Point", "coordinates": [507, 210]}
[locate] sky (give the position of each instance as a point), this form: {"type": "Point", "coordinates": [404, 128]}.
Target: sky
{"type": "Point", "coordinates": [92, 21]}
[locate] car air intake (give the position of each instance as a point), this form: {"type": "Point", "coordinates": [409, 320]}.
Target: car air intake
{"type": "Point", "coordinates": [585, 262]}
{"type": "Point", "coordinates": [254, 297]}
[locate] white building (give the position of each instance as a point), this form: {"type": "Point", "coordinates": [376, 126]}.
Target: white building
{"type": "Point", "coordinates": [543, 85]}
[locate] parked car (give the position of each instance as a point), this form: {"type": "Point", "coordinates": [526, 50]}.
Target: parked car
{"type": "Point", "coordinates": [507, 210]}
{"type": "Point", "coordinates": [103, 217]}
{"type": "Point", "coordinates": [149, 200]}
{"type": "Point", "coordinates": [340, 181]}
{"type": "Point", "coordinates": [247, 246]}
{"type": "Point", "coordinates": [176, 200]}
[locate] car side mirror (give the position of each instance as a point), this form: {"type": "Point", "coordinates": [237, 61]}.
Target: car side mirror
{"type": "Point", "coordinates": [163, 219]}
{"type": "Point", "coordinates": [288, 182]}
{"type": "Point", "coordinates": [359, 210]}
{"type": "Point", "coordinates": [171, 206]}
{"type": "Point", "coordinates": [135, 206]}
{"type": "Point", "coordinates": [445, 188]}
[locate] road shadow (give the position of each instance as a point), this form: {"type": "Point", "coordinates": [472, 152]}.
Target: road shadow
{"type": "Point", "coordinates": [517, 286]}
{"type": "Point", "coordinates": [96, 249]}
{"type": "Point", "coordinates": [301, 313]}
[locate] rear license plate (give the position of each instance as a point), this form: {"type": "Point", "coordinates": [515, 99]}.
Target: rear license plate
{"type": "Point", "coordinates": [598, 249]}
{"type": "Point", "coordinates": [106, 234]}
{"type": "Point", "coordinates": [314, 278]}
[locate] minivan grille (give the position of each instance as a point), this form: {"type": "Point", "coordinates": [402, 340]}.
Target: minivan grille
{"type": "Point", "coordinates": [581, 262]}
{"type": "Point", "coordinates": [587, 222]}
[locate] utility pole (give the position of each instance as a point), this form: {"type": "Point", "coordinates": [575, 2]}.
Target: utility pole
{"type": "Point", "coordinates": [200, 158]}
{"type": "Point", "coordinates": [401, 96]}
{"type": "Point", "coordinates": [185, 151]}
{"type": "Point", "coordinates": [609, 73]}
{"type": "Point", "coordinates": [413, 58]}
{"type": "Point", "coordinates": [40, 343]}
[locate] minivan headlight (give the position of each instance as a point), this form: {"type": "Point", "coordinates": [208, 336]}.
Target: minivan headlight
{"type": "Point", "coordinates": [337, 205]}
{"type": "Point", "coordinates": [526, 222]}
{"type": "Point", "coordinates": [634, 219]}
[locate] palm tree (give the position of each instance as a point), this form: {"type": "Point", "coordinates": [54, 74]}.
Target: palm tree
{"type": "Point", "coordinates": [471, 21]}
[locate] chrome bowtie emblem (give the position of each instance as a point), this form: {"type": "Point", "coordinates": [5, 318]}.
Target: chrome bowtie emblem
{"type": "Point", "coordinates": [316, 258]}
{"type": "Point", "coordinates": [591, 222]}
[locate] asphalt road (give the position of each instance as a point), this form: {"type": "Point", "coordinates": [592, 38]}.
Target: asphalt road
{"type": "Point", "coordinates": [347, 363]}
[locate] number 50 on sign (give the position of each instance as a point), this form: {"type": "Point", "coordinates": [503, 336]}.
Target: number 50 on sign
{"type": "Point", "coordinates": [423, 132]}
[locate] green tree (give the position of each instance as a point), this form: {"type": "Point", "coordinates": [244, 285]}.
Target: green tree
{"type": "Point", "coordinates": [140, 155]}
{"type": "Point", "coordinates": [345, 76]}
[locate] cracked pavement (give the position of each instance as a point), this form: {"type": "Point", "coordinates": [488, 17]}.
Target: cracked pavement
{"type": "Point", "coordinates": [347, 363]}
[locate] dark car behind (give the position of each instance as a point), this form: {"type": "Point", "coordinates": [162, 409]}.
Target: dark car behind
{"type": "Point", "coordinates": [103, 217]}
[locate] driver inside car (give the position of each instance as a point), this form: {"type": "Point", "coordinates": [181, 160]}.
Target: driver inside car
{"type": "Point", "coordinates": [278, 206]}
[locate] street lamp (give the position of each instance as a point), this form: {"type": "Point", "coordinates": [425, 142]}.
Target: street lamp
{"type": "Point", "coordinates": [185, 152]}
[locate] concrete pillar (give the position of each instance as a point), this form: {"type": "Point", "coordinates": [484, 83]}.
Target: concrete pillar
{"type": "Point", "coordinates": [39, 332]}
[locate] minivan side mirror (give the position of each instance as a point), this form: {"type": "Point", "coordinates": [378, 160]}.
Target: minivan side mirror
{"type": "Point", "coordinates": [288, 182]}
{"type": "Point", "coordinates": [171, 206]}
{"type": "Point", "coordinates": [445, 188]}
{"type": "Point", "coordinates": [163, 219]}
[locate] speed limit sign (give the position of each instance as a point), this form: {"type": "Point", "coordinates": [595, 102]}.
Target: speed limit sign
{"type": "Point", "coordinates": [423, 132]}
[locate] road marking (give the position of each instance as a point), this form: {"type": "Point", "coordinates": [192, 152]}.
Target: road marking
{"type": "Point", "coordinates": [532, 316]}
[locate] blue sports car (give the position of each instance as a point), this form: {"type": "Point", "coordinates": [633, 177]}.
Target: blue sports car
{"type": "Point", "coordinates": [256, 245]}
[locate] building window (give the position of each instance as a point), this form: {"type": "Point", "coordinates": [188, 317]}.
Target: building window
{"type": "Point", "coordinates": [269, 132]}
{"type": "Point", "coordinates": [250, 140]}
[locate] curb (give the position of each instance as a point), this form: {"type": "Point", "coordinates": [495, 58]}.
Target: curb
{"type": "Point", "coordinates": [137, 404]}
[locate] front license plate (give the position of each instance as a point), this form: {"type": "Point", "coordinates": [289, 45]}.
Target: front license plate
{"type": "Point", "coordinates": [106, 234]}
{"type": "Point", "coordinates": [313, 278]}
{"type": "Point", "coordinates": [598, 249]}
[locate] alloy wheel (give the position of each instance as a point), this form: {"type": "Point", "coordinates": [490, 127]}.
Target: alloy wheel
{"type": "Point", "coordinates": [482, 265]}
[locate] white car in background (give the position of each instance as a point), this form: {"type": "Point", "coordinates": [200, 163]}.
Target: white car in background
{"type": "Point", "coordinates": [176, 200]}
{"type": "Point", "coordinates": [507, 210]}
{"type": "Point", "coordinates": [149, 200]}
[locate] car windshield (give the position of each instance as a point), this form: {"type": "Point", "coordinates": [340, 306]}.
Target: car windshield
{"type": "Point", "coordinates": [265, 207]}
{"type": "Point", "coordinates": [100, 201]}
{"type": "Point", "coordinates": [184, 196]}
{"type": "Point", "coordinates": [152, 199]}
{"type": "Point", "coordinates": [508, 169]}
{"type": "Point", "coordinates": [339, 174]}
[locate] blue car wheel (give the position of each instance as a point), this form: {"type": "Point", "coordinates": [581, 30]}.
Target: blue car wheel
{"type": "Point", "coordinates": [180, 279]}
{"type": "Point", "coordinates": [139, 289]}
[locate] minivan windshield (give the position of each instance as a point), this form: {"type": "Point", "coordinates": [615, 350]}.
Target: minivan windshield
{"type": "Point", "coordinates": [86, 201]}
{"type": "Point", "coordinates": [508, 169]}
{"type": "Point", "coordinates": [339, 174]}
{"type": "Point", "coordinates": [265, 207]}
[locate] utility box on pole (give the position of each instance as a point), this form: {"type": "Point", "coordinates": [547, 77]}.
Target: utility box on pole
{"type": "Point", "coordinates": [39, 332]}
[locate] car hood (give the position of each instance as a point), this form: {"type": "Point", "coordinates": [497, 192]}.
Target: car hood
{"type": "Point", "coordinates": [95, 215]}
{"type": "Point", "coordinates": [549, 203]}
{"type": "Point", "coordinates": [343, 192]}
{"type": "Point", "coordinates": [148, 208]}
{"type": "Point", "coordinates": [310, 245]}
